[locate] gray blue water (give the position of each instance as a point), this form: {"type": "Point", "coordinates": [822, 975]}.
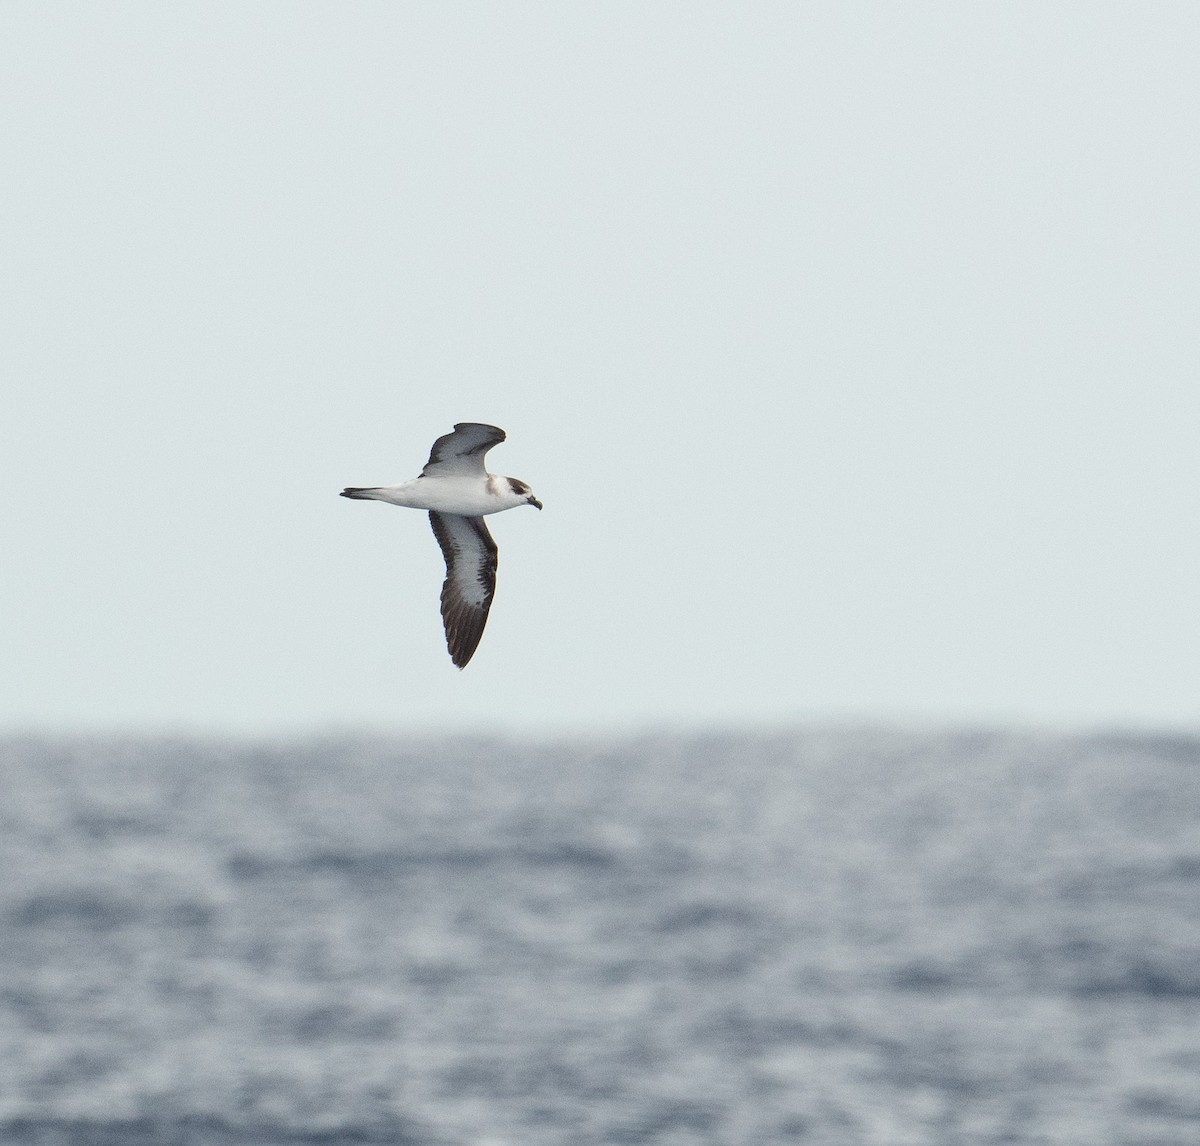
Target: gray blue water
{"type": "Point", "coordinates": [836, 937]}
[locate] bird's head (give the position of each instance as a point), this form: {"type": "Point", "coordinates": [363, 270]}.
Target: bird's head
{"type": "Point", "coordinates": [523, 491]}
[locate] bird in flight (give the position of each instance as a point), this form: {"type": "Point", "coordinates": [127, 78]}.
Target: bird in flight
{"type": "Point", "coordinates": [458, 492]}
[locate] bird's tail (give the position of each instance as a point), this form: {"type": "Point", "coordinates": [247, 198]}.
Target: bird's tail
{"type": "Point", "coordinates": [366, 493]}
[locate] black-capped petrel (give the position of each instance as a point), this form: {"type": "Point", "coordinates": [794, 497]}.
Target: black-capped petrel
{"type": "Point", "coordinates": [458, 493]}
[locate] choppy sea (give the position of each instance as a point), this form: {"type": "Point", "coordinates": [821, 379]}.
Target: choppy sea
{"type": "Point", "coordinates": [833, 936]}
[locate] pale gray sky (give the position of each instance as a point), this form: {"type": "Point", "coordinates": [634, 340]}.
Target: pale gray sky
{"type": "Point", "coordinates": [853, 349]}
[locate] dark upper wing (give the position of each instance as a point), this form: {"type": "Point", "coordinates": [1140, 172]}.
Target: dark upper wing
{"type": "Point", "coordinates": [462, 452]}
{"type": "Point", "coordinates": [471, 558]}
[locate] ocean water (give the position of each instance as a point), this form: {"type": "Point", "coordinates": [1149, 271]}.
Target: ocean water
{"type": "Point", "coordinates": [826, 936]}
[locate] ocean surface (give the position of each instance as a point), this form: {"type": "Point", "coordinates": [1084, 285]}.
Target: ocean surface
{"type": "Point", "coordinates": [833, 936]}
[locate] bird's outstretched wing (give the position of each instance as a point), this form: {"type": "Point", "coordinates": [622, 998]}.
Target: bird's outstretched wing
{"type": "Point", "coordinates": [471, 559]}
{"type": "Point", "coordinates": [462, 452]}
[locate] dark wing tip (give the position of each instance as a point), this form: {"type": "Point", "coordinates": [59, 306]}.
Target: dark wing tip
{"type": "Point", "coordinates": [464, 628]}
{"type": "Point", "coordinates": [482, 437]}
{"type": "Point", "coordinates": [498, 433]}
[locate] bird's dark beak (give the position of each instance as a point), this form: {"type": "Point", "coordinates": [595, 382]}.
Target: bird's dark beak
{"type": "Point", "coordinates": [534, 501]}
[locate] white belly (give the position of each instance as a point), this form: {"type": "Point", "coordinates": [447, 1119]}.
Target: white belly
{"type": "Point", "coordinates": [470, 497]}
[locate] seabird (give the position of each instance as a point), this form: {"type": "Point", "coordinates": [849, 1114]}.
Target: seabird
{"type": "Point", "coordinates": [458, 492]}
